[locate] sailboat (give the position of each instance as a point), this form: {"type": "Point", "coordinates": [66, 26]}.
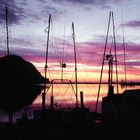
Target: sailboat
{"type": "Point", "coordinates": [63, 115]}
{"type": "Point", "coordinates": [121, 108]}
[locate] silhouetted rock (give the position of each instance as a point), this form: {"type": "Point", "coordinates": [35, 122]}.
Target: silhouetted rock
{"type": "Point", "coordinates": [20, 83]}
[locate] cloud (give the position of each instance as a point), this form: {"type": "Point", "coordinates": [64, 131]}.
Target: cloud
{"type": "Point", "coordinates": [91, 1]}
{"type": "Point", "coordinates": [15, 13]}
{"type": "Point", "coordinates": [133, 24]}
{"type": "Point", "coordinates": [89, 54]}
{"type": "Point", "coordinates": [105, 4]}
{"type": "Point", "coordinates": [27, 11]}
{"type": "Point", "coordinates": [82, 1]}
{"type": "Point", "coordinates": [40, 10]}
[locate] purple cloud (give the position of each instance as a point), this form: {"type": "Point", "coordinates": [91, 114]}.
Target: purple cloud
{"type": "Point", "coordinates": [92, 1]}
{"type": "Point", "coordinates": [22, 11]}
{"type": "Point", "coordinates": [133, 24]}
{"type": "Point", "coordinates": [105, 4]}
{"type": "Point", "coordinates": [15, 13]}
{"type": "Point", "coordinates": [89, 53]}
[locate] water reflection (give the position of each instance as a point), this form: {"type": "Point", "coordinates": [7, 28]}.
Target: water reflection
{"type": "Point", "coordinates": [64, 97]}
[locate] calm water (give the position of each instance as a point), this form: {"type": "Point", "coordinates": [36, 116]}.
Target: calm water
{"type": "Point", "coordinates": [64, 97]}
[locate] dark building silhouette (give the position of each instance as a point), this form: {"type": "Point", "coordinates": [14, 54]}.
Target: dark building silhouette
{"type": "Point", "coordinates": [123, 108]}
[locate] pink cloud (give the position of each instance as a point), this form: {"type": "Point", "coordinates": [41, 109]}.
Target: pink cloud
{"type": "Point", "coordinates": [89, 54]}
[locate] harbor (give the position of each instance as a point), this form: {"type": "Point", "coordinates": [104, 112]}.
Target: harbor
{"type": "Point", "coordinates": [52, 93]}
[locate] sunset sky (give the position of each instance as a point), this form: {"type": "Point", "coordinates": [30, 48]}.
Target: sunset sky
{"type": "Point", "coordinates": [29, 18]}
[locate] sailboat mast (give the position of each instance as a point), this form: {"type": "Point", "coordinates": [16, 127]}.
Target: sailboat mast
{"type": "Point", "coordinates": [75, 58]}
{"type": "Point", "coordinates": [103, 60]}
{"type": "Point", "coordinates": [110, 61]}
{"type": "Point", "coordinates": [114, 38]}
{"type": "Point", "coordinates": [46, 62]}
{"type": "Point", "coordinates": [6, 10]}
{"type": "Point", "coordinates": [48, 36]}
{"type": "Point", "coordinates": [7, 41]}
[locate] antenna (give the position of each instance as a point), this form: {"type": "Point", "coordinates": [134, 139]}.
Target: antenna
{"type": "Point", "coordinates": [44, 93]}
{"type": "Point", "coordinates": [75, 58]}
{"type": "Point", "coordinates": [6, 10]}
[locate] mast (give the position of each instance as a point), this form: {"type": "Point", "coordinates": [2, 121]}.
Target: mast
{"type": "Point", "coordinates": [6, 10]}
{"type": "Point", "coordinates": [99, 88]}
{"type": "Point", "coordinates": [124, 50]}
{"type": "Point", "coordinates": [109, 57]}
{"type": "Point", "coordinates": [52, 99]}
{"type": "Point", "coordinates": [75, 59]}
{"type": "Point", "coordinates": [114, 38]}
{"type": "Point", "coordinates": [7, 44]}
{"type": "Point", "coordinates": [46, 62]}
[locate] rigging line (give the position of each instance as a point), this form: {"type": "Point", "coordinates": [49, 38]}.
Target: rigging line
{"type": "Point", "coordinates": [67, 51]}
{"type": "Point", "coordinates": [72, 75]}
{"type": "Point", "coordinates": [53, 43]}
{"type": "Point", "coordinates": [82, 63]}
{"type": "Point", "coordinates": [84, 70]}
{"type": "Point", "coordinates": [56, 50]}
{"type": "Point", "coordinates": [75, 59]}
{"type": "Point", "coordinates": [130, 65]}
{"type": "Point", "coordinates": [64, 93]}
{"type": "Point", "coordinates": [48, 35]}
{"type": "Point", "coordinates": [68, 47]}
{"type": "Point", "coordinates": [60, 93]}
{"type": "Point", "coordinates": [124, 48]}
{"type": "Point", "coordinates": [60, 97]}
{"type": "Point", "coordinates": [62, 58]}
{"type": "Point", "coordinates": [66, 89]}
{"type": "Point", "coordinates": [96, 106]}
{"type": "Point", "coordinates": [111, 45]}
{"type": "Point", "coordinates": [46, 67]}
{"type": "Point", "coordinates": [63, 49]}
{"type": "Point", "coordinates": [116, 62]}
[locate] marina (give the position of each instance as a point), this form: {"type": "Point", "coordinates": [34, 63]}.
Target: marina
{"type": "Point", "coordinates": [56, 102]}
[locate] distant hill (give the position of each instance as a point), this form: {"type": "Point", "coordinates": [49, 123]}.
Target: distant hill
{"type": "Point", "coordinates": [19, 83]}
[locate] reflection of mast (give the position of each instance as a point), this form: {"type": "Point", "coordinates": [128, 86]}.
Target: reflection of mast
{"type": "Point", "coordinates": [109, 57]}
{"type": "Point", "coordinates": [44, 93]}
{"type": "Point", "coordinates": [73, 37]}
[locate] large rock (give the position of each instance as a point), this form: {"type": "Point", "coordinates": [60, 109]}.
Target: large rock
{"type": "Point", "coordinates": [20, 83]}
